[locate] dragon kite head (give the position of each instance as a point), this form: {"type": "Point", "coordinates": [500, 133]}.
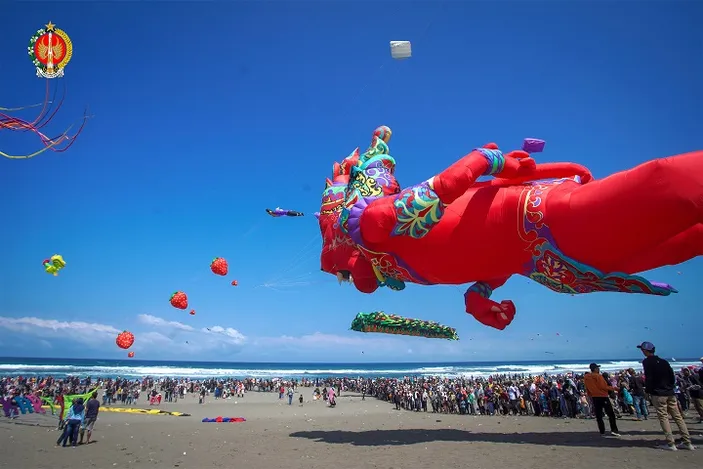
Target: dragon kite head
{"type": "Point", "coordinates": [340, 256]}
{"type": "Point", "coordinates": [367, 175]}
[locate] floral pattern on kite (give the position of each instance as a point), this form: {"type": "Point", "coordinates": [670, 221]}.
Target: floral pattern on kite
{"type": "Point", "coordinates": [550, 222]}
{"type": "Point", "coordinates": [556, 271]}
{"type": "Point", "coordinates": [563, 275]}
{"type": "Point", "coordinates": [418, 209]}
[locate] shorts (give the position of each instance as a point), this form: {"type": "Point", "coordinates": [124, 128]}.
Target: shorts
{"type": "Point", "coordinates": [89, 423]}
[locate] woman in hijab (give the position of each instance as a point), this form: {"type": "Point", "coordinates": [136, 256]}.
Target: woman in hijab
{"type": "Point", "coordinates": [74, 419]}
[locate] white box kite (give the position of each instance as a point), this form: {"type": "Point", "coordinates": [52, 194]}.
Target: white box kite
{"type": "Point", "coordinates": [401, 50]}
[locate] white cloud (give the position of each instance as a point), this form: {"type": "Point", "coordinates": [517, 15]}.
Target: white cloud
{"type": "Point", "coordinates": [85, 332]}
{"type": "Point", "coordinates": [157, 335]}
{"type": "Point", "coordinates": [319, 339]}
{"type": "Point", "coordinates": [178, 334]}
{"type": "Point", "coordinates": [160, 322]}
{"type": "Point", "coordinates": [152, 338]}
{"type": "Point", "coordinates": [232, 335]}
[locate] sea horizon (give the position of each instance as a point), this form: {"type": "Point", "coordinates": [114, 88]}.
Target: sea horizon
{"type": "Point", "coordinates": [137, 368]}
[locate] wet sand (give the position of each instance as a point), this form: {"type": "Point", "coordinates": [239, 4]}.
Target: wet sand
{"type": "Point", "coordinates": [356, 434]}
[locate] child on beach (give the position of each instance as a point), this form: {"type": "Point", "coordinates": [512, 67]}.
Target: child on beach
{"type": "Point", "coordinates": [627, 399]}
{"type": "Point", "coordinates": [585, 408]}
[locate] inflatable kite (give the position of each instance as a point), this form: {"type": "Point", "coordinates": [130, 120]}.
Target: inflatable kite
{"type": "Point", "coordinates": [132, 410]}
{"type": "Point", "coordinates": [234, 283]}
{"type": "Point", "coordinates": [392, 324]}
{"type": "Point", "coordinates": [130, 355]}
{"type": "Point", "coordinates": [179, 300]}
{"type": "Point", "coordinates": [224, 420]}
{"type": "Point", "coordinates": [65, 401]}
{"type": "Point", "coordinates": [552, 223]}
{"type": "Point", "coordinates": [125, 340]}
{"type": "Point", "coordinates": [279, 212]}
{"type": "Point", "coordinates": [59, 143]}
{"type": "Point", "coordinates": [192, 312]}
{"type": "Point", "coordinates": [53, 264]}
{"type": "Point", "coordinates": [219, 266]}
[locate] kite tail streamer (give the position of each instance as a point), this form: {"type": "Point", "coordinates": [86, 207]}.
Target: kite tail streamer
{"type": "Point", "coordinates": [45, 116]}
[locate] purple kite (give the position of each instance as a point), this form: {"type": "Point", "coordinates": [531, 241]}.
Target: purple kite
{"type": "Point", "coordinates": [533, 145]}
{"type": "Point", "coordinates": [279, 212]}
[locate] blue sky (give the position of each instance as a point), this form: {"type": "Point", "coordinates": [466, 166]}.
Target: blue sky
{"type": "Point", "coordinates": [207, 113]}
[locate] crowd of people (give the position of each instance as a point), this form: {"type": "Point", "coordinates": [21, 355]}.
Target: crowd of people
{"type": "Point", "coordinates": [542, 396]}
{"type": "Point", "coordinates": [571, 395]}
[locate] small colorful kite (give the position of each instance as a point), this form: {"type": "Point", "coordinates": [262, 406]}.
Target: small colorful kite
{"type": "Point", "coordinates": [279, 212]}
{"type": "Point", "coordinates": [54, 264]}
{"type": "Point", "coordinates": [234, 283]}
{"type": "Point", "coordinates": [125, 340]}
{"type": "Point", "coordinates": [130, 354]}
{"type": "Point", "coordinates": [192, 312]}
{"type": "Point", "coordinates": [533, 145]}
{"type": "Point", "coordinates": [179, 300]}
{"type": "Point", "coordinates": [219, 266]}
{"type": "Point", "coordinates": [392, 324]}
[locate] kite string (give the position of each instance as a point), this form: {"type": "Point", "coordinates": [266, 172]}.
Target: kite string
{"type": "Point", "coordinates": [301, 254]}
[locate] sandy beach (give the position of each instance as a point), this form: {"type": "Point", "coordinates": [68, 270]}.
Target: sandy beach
{"type": "Point", "coordinates": [357, 433]}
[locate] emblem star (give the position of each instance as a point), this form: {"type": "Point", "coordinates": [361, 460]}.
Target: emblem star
{"type": "Point", "coordinates": [50, 27]}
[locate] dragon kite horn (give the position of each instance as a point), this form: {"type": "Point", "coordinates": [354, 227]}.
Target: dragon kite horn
{"type": "Point", "coordinates": [343, 170]}
{"type": "Point", "coordinates": [384, 133]}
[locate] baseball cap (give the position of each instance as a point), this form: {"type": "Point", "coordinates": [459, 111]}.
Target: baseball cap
{"type": "Point", "coordinates": [646, 346]}
{"type": "Point", "coordinates": [593, 366]}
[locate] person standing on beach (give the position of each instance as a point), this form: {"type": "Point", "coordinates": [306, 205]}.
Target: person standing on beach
{"type": "Point", "coordinates": [92, 407]}
{"type": "Point", "coordinates": [597, 389]}
{"type": "Point", "coordinates": [638, 399]}
{"type": "Point", "coordinates": [74, 418]}
{"type": "Point", "coordinates": [513, 397]}
{"type": "Point", "coordinates": [693, 385]}
{"type": "Point", "coordinates": [659, 382]}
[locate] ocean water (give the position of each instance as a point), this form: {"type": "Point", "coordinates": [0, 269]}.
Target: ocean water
{"type": "Point", "coordinates": [59, 367]}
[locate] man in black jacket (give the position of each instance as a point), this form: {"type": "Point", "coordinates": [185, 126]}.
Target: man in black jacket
{"type": "Point", "coordinates": [659, 382]}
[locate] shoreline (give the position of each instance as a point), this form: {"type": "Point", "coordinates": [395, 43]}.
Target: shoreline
{"type": "Point", "coordinates": [138, 369]}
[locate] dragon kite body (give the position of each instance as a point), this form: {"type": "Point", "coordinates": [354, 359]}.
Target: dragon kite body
{"type": "Point", "coordinates": [550, 222]}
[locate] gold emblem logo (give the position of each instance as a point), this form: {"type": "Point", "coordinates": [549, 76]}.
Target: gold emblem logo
{"type": "Point", "coordinates": [50, 50]}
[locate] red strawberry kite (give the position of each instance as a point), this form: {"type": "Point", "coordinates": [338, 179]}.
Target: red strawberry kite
{"type": "Point", "coordinates": [179, 300]}
{"type": "Point", "coordinates": [130, 354]}
{"type": "Point", "coordinates": [192, 312]}
{"type": "Point", "coordinates": [234, 283]}
{"type": "Point", "coordinates": [125, 340]}
{"type": "Point", "coordinates": [219, 266]}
